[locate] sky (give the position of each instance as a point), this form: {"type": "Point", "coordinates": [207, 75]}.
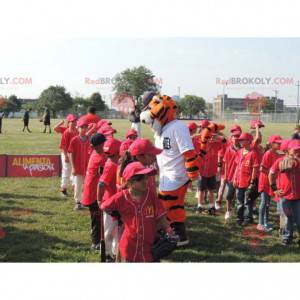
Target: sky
{"type": "Point", "coordinates": [193, 64]}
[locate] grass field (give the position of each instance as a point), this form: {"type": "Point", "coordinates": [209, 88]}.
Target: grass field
{"type": "Point", "coordinates": [37, 225]}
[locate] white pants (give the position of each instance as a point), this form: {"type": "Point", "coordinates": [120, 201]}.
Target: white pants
{"type": "Point", "coordinates": [78, 186]}
{"type": "Point", "coordinates": [111, 235]}
{"type": "Point", "coordinates": [137, 127]}
{"type": "Point", "coordinates": [66, 176]}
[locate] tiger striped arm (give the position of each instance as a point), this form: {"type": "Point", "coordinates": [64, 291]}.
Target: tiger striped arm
{"type": "Point", "coordinates": [191, 164]}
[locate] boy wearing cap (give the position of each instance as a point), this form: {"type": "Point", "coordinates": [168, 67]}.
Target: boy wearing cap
{"type": "Point", "coordinates": [263, 184]}
{"type": "Point", "coordinates": [65, 141]}
{"type": "Point", "coordinates": [106, 189]}
{"type": "Point", "coordinates": [131, 134]}
{"type": "Point", "coordinates": [79, 154]}
{"type": "Point", "coordinates": [141, 212]}
{"type": "Point", "coordinates": [288, 188]}
{"type": "Point", "coordinates": [229, 166]}
{"type": "Point", "coordinates": [244, 178]}
{"type": "Point", "coordinates": [89, 195]}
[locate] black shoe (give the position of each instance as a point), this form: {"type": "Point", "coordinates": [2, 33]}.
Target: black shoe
{"type": "Point", "coordinates": [200, 210]}
{"type": "Point", "coordinates": [212, 211]}
{"type": "Point", "coordinates": [110, 259]}
{"type": "Point", "coordinates": [179, 230]}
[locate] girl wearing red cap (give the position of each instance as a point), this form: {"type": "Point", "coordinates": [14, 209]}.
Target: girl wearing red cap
{"type": "Point", "coordinates": [65, 141]}
{"type": "Point", "coordinates": [263, 185]}
{"type": "Point", "coordinates": [141, 212]}
{"type": "Point", "coordinates": [106, 189]}
{"type": "Point", "coordinates": [79, 154]}
{"type": "Point", "coordinates": [244, 178]}
{"type": "Point", "coordinates": [89, 195]}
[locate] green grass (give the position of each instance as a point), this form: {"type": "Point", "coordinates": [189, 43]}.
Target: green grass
{"type": "Point", "coordinates": [40, 226]}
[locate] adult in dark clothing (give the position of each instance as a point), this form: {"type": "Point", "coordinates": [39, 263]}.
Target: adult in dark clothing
{"type": "Point", "coordinates": [1, 117]}
{"type": "Point", "coordinates": [134, 118]}
{"type": "Point", "coordinates": [296, 134]}
{"type": "Point", "coordinates": [26, 120]}
{"type": "Point", "coordinates": [46, 120]}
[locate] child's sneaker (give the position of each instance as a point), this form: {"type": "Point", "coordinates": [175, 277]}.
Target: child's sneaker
{"type": "Point", "coordinates": [77, 206]}
{"type": "Point", "coordinates": [228, 215]}
{"type": "Point", "coordinates": [200, 210]}
{"type": "Point", "coordinates": [218, 205]}
{"type": "Point", "coordinates": [64, 193]}
{"type": "Point", "coordinates": [260, 227]}
{"type": "Point", "coordinates": [212, 211]}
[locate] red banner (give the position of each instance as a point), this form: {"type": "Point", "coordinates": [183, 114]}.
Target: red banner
{"type": "Point", "coordinates": [33, 165]}
{"type": "Point", "coordinates": [2, 165]}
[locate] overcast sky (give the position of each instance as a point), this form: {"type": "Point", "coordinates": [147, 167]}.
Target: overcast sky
{"type": "Point", "coordinates": [193, 64]}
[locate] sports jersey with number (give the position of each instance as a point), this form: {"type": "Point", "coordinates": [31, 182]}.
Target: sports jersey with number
{"type": "Point", "coordinates": [174, 140]}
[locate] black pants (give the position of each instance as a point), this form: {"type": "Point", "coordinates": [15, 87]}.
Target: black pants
{"type": "Point", "coordinates": [95, 222]}
{"type": "Point", "coordinates": [245, 205]}
{"type": "Point", "coordinates": [230, 192]}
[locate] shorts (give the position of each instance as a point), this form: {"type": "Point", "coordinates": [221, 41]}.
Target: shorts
{"type": "Point", "coordinates": [230, 191]}
{"type": "Point", "coordinates": [26, 122]}
{"type": "Point", "coordinates": [207, 183]}
{"type": "Point", "coordinates": [46, 123]}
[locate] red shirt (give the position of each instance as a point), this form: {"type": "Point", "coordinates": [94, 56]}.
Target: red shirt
{"type": "Point", "coordinates": [209, 165]}
{"type": "Point", "coordinates": [60, 129]}
{"type": "Point", "coordinates": [81, 154]}
{"type": "Point", "coordinates": [109, 177]}
{"type": "Point", "coordinates": [96, 162]}
{"type": "Point", "coordinates": [244, 168]}
{"type": "Point", "coordinates": [92, 118]}
{"type": "Point", "coordinates": [230, 163]}
{"type": "Point", "coordinates": [66, 139]}
{"type": "Point", "coordinates": [287, 182]}
{"type": "Point", "coordinates": [267, 161]}
{"type": "Point", "coordinates": [139, 223]}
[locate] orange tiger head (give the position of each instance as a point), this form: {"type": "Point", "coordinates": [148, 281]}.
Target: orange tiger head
{"type": "Point", "coordinates": [158, 111]}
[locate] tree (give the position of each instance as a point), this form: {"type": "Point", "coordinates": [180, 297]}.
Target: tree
{"type": "Point", "coordinates": [80, 105]}
{"type": "Point", "coordinates": [135, 82]}
{"type": "Point", "coordinates": [55, 98]}
{"type": "Point", "coordinates": [13, 104]}
{"type": "Point", "coordinates": [269, 107]}
{"type": "Point", "coordinates": [192, 105]}
{"type": "Point", "coordinates": [97, 101]}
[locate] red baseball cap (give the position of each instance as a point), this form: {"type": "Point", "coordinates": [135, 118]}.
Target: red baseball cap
{"type": "Point", "coordinates": [136, 168]}
{"type": "Point", "coordinates": [236, 128]}
{"type": "Point", "coordinates": [143, 146]}
{"type": "Point", "coordinates": [71, 118]}
{"type": "Point", "coordinates": [107, 130]}
{"type": "Point", "coordinates": [294, 145]}
{"type": "Point", "coordinates": [245, 136]}
{"type": "Point", "coordinates": [103, 122]}
{"type": "Point", "coordinates": [125, 146]}
{"type": "Point", "coordinates": [131, 132]}
{"type": "Point", "coordinates": [83, 122]}
{"type": "Point", "coordinates": [236, 133]}
{"type": "Point", "coordinates": [112, 146]}
{"type": "Point", "coordinates": [204, 123]}
{"type": "Point", "coordinates": [284, 145]}
{"type": "Point", "coordinates": [275, 138]}
{"type": "Point", "coordinates": [192, 126]}
{"type": "Point", "coordinates": [254, 123]}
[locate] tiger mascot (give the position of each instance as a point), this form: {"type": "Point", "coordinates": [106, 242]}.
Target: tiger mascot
{"type": "Point", "coordinates": [178, 162]}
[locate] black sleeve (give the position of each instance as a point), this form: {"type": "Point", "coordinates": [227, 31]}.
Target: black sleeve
{"type": "Point", "coordinates": [295, 136]}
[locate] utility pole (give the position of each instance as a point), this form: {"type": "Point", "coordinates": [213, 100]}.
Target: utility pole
{"type": "Point", "coordinates": [178, 89]}
{"type": "Point", "coordinates": [223, 102]}
{"type": "Point", "coordinates": [276, 93]}
{"type": "Point", "coordinates": [298, 84]}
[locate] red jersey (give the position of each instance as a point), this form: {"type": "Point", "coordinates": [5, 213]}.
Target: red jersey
{"type": "Point", "coordinates": [60, 129]}
{"type": "Point", "coordinates": [94, 169]}
{"type": "Point", "coordinates": [267, 161]}
{"type": "Point", "coordinates": [287, 182]}
{"type": "Point", "coordinates": [139, 223]}
{"type": "Point", "coordinates": [66, 139]}
{"type": "Point", "coordinates": [230, 163]}
{"type": "Point", "coordinates": [209, 165]}
{"type": "Point", "coordinates": [92, 118]}
{"type": "Point", "coordinates": [80, 150]}
{"type": "Point", "coordinates": [244, 168]}
{"type": "Point", "coordinates": [109, 177]}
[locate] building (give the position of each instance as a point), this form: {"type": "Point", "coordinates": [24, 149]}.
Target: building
{"type": "Point", "coordinates": [123, 103]}
{"type": "Point", "coordinates": [252, 103]}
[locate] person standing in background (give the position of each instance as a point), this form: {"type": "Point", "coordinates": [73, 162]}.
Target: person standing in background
{"type": "Point", "coordinates": [134, 118]}
{"type": "Point", "coordinates": [296, 134]}
{"type": "Point", "coordinates": [1, 117]}
{"type": "Point", "coordinates": [46, 119]}
{"type": "Point", "coordinates": [26, 120]}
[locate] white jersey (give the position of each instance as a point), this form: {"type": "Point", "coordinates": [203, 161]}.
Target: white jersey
{"type": "Point", "coordinates": [174, 140]}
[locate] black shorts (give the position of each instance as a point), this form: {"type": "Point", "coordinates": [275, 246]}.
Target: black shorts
{"type": "Point", "coordinates": [46, 123]}
{"type": "Point", "coordinates": [26, 122]}
{"type": "Point", "coordinates": [207, 183]}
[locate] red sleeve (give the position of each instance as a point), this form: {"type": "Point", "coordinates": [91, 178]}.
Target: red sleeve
{"type": "Point", "coordinates": [108, 173]}
{"type": "Point", "coordinates": [255, 160]}
{"type": "Point", "coordinates": [237, 157]}
{"type": "Point", "coordinates": [275, 167]}
{"type": "Point", "coordinates": [60, 129]}
{"type": "Point", "coordinates": [266, 160]}
{"type": "Point", "coordinates": [112, 203]}
{"type": "Point", "coordinates": [72, 145]}
{"type": "Point", "coordinates": [63, 143]}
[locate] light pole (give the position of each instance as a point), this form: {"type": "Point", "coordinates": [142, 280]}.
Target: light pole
{"type": "Point", "coordinates": [276, 93]}
{"type": "Point", "coordinates": [223, 102]}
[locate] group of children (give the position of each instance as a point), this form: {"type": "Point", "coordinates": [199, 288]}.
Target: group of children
{"type": "Point", "coordinates": [247, 170]}
{"type": "Point", "coordinates": [118, 177]}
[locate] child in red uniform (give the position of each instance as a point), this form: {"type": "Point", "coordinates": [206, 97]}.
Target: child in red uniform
{"type": "Point", "coordinates": [79, 154]}
{"type": "Point", "coordinates": [141, 213]}
{"type": "Point", "coordinates": [263, 184]}
{"type": "Point", "coordinates": [208, 171]}
{"type": "Point", "coordinates": [89, 196]}
{"type": "Point", "coordinates": [65, 141]}
{"type": "Point", "coordinates": [244, 178]}
{"type": "Point", "coordinates": [229, 166]}
{"type": "Point", "coordinates": [131, 134]}
{"type": "Point", "coordinates": [288, 189]}
{"type": "Point", "coordinates": [106, 189]}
